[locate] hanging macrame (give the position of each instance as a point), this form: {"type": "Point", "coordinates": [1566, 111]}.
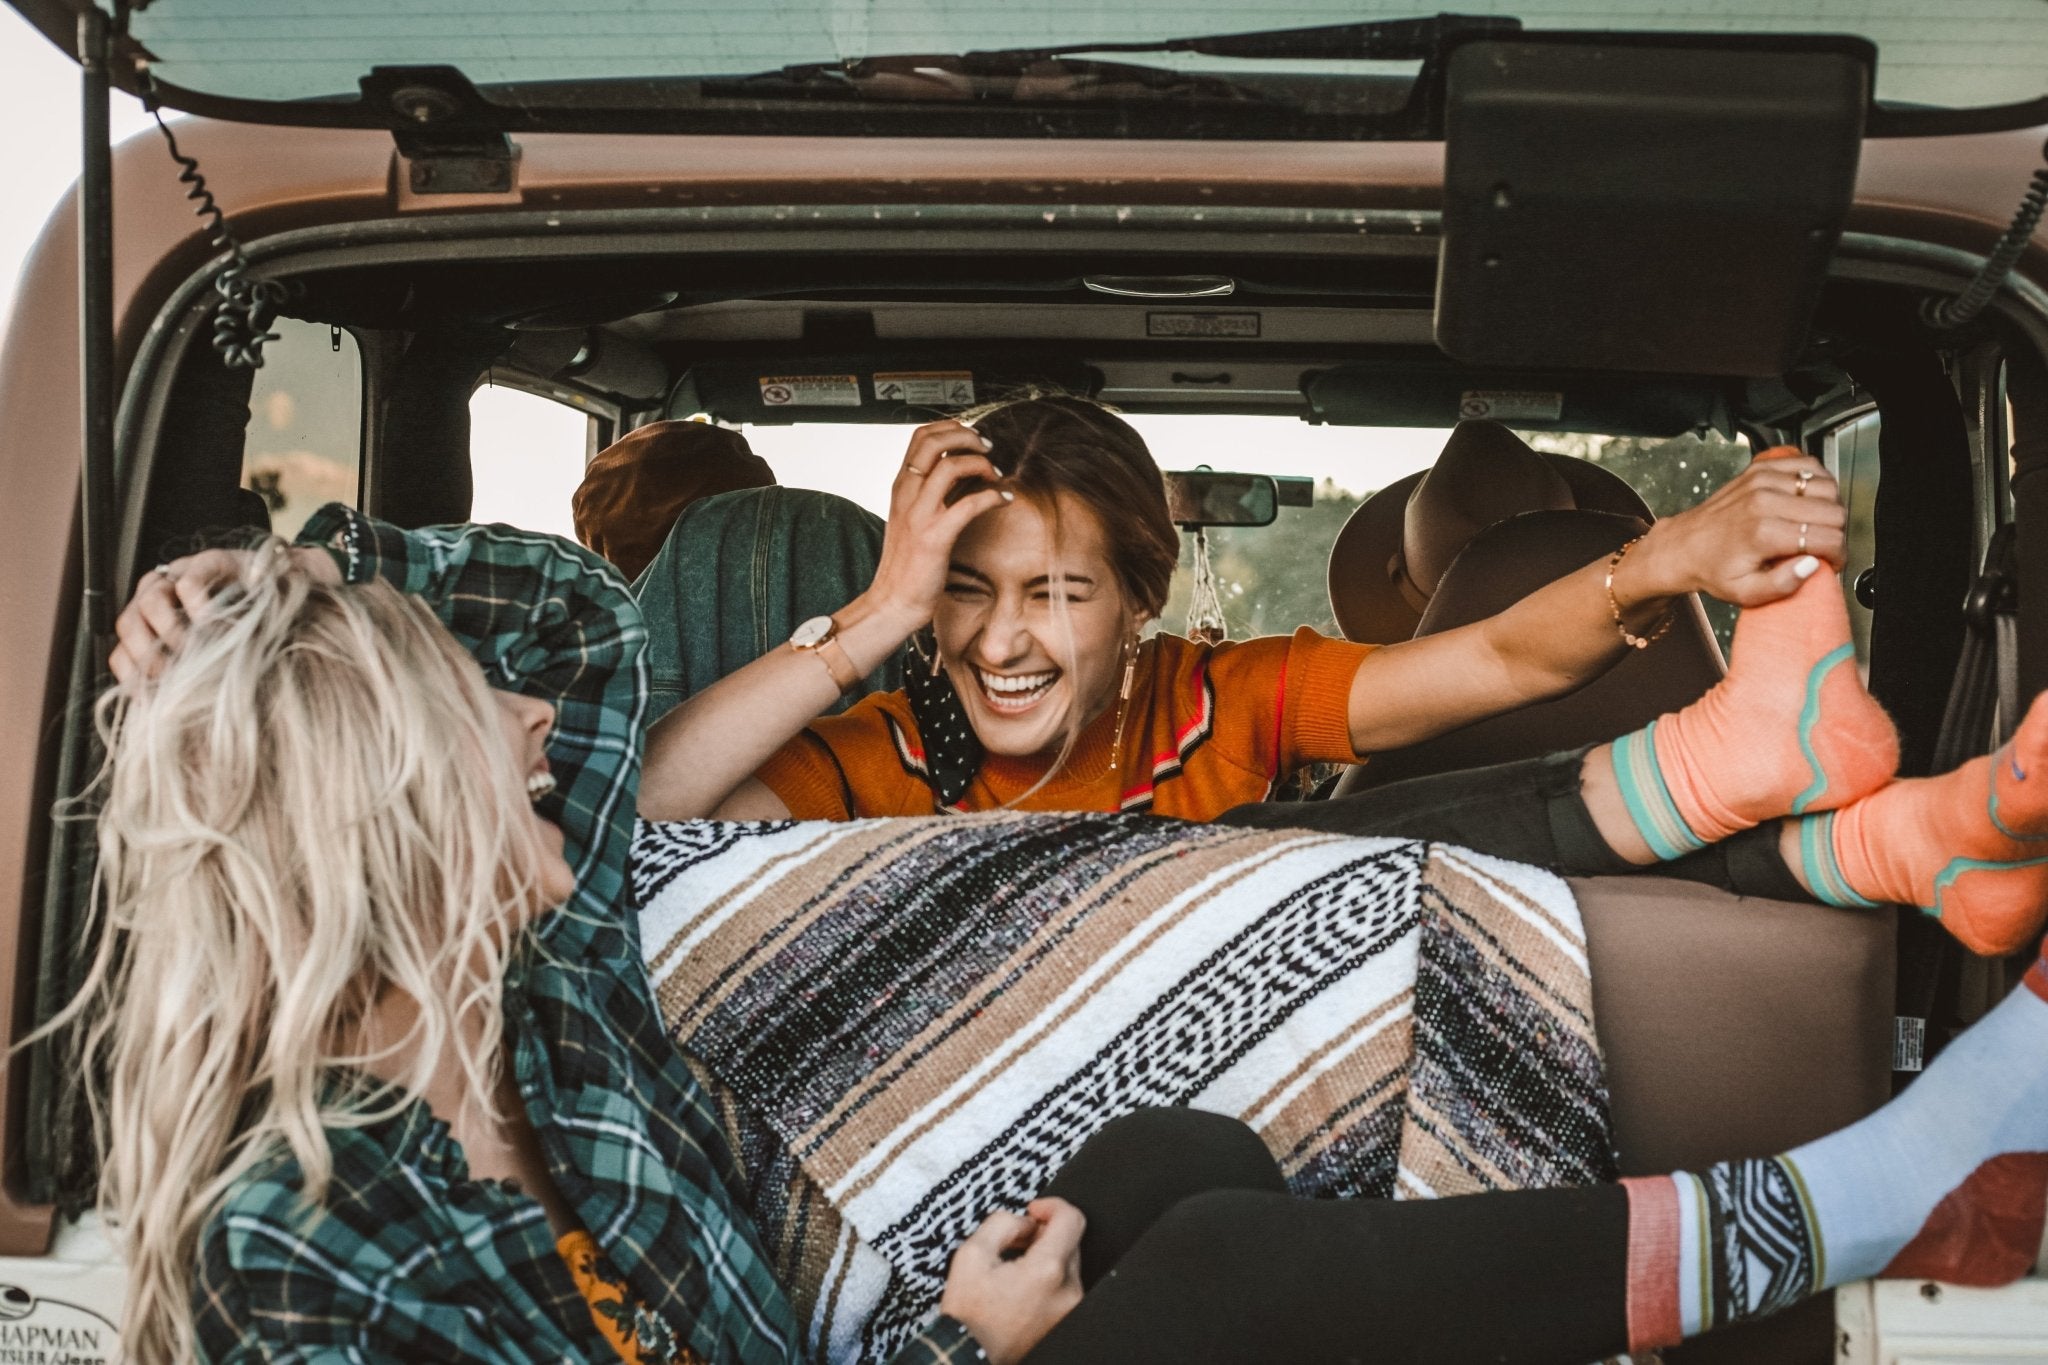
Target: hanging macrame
{"type": "Point", "coordinates": [1205, 604]}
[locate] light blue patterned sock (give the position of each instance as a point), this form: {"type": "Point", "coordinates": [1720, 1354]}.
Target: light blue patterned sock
{"type": "Point", "coordinates": [1756, 1236]}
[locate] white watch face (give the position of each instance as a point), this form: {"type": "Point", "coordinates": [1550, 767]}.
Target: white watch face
{"type": "Point", "coordinates": [812, 633]}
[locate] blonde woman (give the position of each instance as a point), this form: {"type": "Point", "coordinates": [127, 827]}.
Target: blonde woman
{"type": "Point", "coordinates": [370, 1094]}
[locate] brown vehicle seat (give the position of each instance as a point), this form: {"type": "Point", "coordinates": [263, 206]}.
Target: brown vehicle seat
{"type": "Point", "coordinates": [1731, 1026]}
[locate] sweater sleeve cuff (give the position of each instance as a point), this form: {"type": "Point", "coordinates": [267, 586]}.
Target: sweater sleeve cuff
{"type": "Point", "coordinates": [1318, 702]}
{"type": "Point", "coordinates": [806, 779]}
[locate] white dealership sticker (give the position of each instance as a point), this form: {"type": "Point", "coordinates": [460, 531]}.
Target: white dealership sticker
{"type": "Point", "coordinates": [942, 388]}
{"type": "Point", "coordinates": [810, 391]}
{"type": "Point", "coordinates": [1510, 405]}
{"type": "Point", "coordinates": [39, 1331]}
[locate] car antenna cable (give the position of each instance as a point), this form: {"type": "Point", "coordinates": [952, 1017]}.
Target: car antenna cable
{"type": "Point", "coordinates": [246, 306]}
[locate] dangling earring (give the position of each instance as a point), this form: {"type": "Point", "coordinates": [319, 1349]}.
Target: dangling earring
{"type": "Point", "coordinates": [938, 659]}
{"type": "Point", "coordinates": [1123, 698]}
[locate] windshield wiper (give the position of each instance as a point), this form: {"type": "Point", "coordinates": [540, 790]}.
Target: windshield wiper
{"type": "Point", "coordinates": [1392, 40]}
{"type": "Point", "coordinates": [1060, 74]}
{"type": "Point", "coordinates": [997, 77]}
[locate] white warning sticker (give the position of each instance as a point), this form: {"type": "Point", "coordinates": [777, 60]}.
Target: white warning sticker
{"type": "Point", "coordinates": [810, 391]}
{"type": "Point", "coordinates": [1510, 405]}
{"type": "Point", "coordinates": [940, 388]}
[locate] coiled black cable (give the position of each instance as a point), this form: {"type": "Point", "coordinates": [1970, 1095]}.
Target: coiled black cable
{"type": "Point", "coordinates": [246, 307]}
{"type": "Point", "coordinates": [1947, 313]}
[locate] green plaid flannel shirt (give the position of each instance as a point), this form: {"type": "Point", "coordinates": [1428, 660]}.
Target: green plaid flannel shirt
{"type": "Point", "coordinates": [410, 1259]}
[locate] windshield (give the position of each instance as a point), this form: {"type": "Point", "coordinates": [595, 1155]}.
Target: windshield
{"type": "Point", "coordinates": [630, 54]}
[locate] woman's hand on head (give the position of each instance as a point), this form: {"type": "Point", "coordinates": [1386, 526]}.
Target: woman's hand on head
{"type": "Point", "coordinates": [1015, 1277]}
{"type": "Point", "coordinates": [171, 596]}
{"type": "Point", "coordinates": [1754, 540]}
{"type": "Point", "coordinates": [918, 545]}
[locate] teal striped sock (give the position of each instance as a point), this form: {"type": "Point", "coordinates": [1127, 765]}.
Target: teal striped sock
{"type": "Point", "coordinates": [1823, 871]}
{"type": "Point", "coordinates": [1643, 791]}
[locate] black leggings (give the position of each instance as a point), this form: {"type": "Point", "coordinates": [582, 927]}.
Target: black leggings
{"type": "Point", "coordinates": [1530, 812]}
{"type": "Point", "coordinates": [1194, 1252]}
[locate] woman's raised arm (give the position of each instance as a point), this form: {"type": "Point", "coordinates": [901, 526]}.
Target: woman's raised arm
{"type": "Point", "coordinates": [1755, 540]}
{"type": "Point", "coordinates": [702, 756]}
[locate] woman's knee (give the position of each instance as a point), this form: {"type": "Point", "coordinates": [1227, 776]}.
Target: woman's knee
{"type": "Point", "coordinates": [1210, 1150]}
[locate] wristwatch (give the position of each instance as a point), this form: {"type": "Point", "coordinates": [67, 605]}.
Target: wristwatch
{"type": "Point", "coordinates": [820, 636]}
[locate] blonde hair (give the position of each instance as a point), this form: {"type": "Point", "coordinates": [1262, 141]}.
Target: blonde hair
{"type": "Point", "coordinates": [311, 804]}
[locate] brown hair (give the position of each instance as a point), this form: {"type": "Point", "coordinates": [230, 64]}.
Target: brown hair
{"type": "Point", "coordinates": [1046, 445]}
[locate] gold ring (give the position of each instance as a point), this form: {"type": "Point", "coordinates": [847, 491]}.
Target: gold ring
{"type": "Point", "coordinates": [1805, 477]}
{"type": "Point", "coordinates": [913, 469]}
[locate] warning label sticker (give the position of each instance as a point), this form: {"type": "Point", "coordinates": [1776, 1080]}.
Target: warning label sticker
{"type": "Point", "coordinates": [941, 388]}
{"type": "Point", "coordinates": [1510, 405]}
{"type": "Point", "coordinates": [1202, 324]}
{"type": "Point", "coordinates": [810, 391]}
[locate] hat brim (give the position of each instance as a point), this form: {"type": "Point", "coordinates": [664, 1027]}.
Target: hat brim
{"type": "Point", "coordinates": [1368, 607]}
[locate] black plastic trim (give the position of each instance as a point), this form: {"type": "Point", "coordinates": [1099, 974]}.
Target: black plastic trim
{"type": "Point", "coordinates": [1419, 120]}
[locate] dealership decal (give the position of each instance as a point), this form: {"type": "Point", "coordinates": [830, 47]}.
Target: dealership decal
{"type": "Point", "coordinates": [37, 1331]}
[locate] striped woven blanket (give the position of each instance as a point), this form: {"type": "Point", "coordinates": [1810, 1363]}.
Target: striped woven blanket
{"type": "Point", "coordinates": [910, 1023]}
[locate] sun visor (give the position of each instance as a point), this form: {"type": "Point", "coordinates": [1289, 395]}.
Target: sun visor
{"type": "Point", "coordinates": [1435, 394]}
{"type": "Point", "coordinates": [1664, 206]}
{"type": "Point", "coordinates": [890, 387]}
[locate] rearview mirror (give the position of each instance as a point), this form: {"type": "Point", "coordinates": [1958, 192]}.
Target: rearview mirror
{"type": "Point", "coordinates": [1208, 497]}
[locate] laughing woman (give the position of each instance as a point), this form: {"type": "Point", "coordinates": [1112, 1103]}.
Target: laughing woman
{"type": "Point", "coordinates": [1025, 555]}
{"type": "Point", "coordinates": [383, 1079]}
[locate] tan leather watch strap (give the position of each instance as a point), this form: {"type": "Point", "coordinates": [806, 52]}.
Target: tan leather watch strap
{"type": "Point", "coordinates": [838, 664]}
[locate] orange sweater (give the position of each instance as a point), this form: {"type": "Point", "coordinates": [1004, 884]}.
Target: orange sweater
{"type": "Point", "coordinates": [1208, 727]}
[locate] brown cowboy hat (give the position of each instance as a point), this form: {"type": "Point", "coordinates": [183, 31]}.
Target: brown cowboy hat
{"type": "Point", "coordinates": [636, 487]}
{"type": "Point", "coordinates": [1391, 553]}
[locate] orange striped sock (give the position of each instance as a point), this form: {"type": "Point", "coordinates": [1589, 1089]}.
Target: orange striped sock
{"type": "Point", "coordinates": [1969, 847]}
{"type": "Point", "coordinates": [1789, 730]}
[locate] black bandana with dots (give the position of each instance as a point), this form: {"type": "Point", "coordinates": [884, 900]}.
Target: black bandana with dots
{"type": "Point", "coordinates": [952, 751]}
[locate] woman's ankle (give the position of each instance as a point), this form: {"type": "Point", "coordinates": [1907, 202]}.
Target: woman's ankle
{"type": "Point", "coordinates": [1600, 789]}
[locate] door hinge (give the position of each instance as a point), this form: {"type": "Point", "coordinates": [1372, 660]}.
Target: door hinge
{"type": "Point", "coordinates": [451, 140]}
{"type": "Point", "coordinates": [468, 165]}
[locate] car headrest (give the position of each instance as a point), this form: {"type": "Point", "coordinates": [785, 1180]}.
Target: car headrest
{"type": "Point", "coordinates": [1500, 566]}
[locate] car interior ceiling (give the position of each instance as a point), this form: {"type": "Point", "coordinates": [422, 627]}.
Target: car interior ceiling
{"type": "Point", "coordinates": [1345, 346]}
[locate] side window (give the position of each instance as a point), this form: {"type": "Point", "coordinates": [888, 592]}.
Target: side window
{"type": "Point", "coordinates": [303, 446]}
{"type": "Point", "coordinates": [1669, 475]}
{"type": "Point", "coordinates": [527, 453]}
{"type": "Point", "coordinates": [1851, 452]}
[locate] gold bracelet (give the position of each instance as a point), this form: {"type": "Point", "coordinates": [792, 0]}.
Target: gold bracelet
{"type": "Point", "coordinates": [1628, 637]}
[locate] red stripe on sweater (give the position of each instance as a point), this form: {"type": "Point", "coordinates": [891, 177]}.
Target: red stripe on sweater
{"type": "Point", "coordinates": [1280, 717]}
